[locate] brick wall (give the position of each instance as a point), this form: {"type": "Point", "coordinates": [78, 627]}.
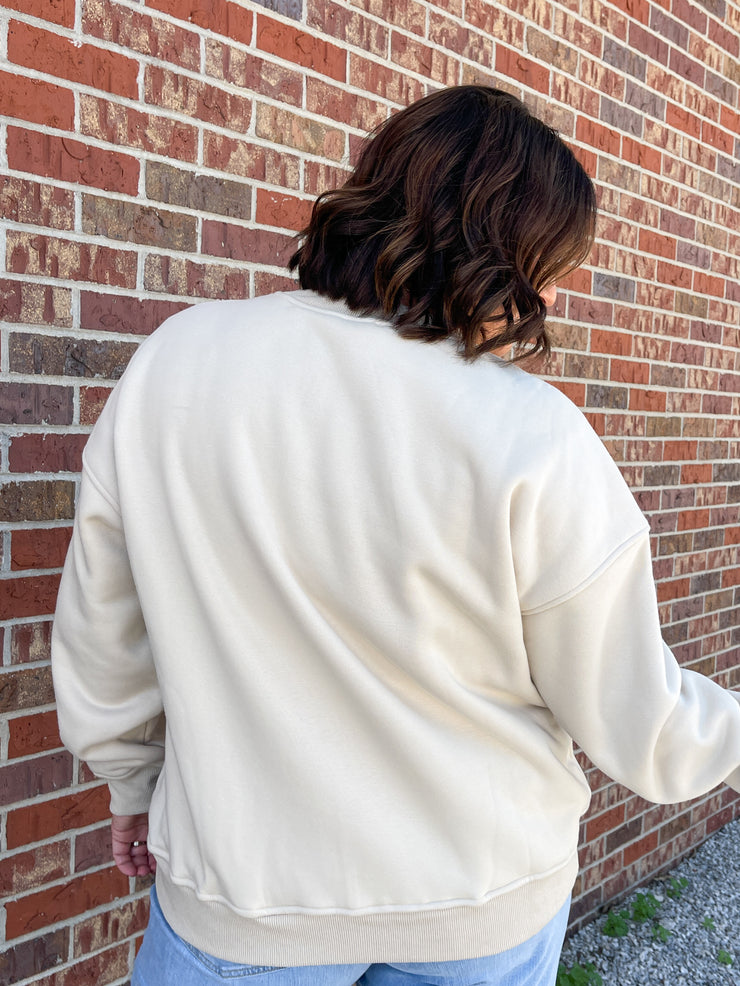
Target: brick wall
{"type": "Point", "coordinates": [155, 152]}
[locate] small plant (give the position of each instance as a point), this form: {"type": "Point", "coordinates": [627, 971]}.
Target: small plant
{"type": "Point", "coordinates": [676, 887]}
{"type": "Point", "coordinates": [616, 925]}
{"type": "Point", "coordinates": [645, 907]}
{"type": "Point", "coordinates": [660, 934]}
{"type": "Point", "coordinates": [724, 957]}
{"type": "Point", "coordinates": [577, 975]}
{"type": "Point", "coordinates": [709, 924]}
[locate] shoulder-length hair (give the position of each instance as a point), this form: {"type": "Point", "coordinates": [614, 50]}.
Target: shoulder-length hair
{"type": "Point", "coordinates": [462, 208]}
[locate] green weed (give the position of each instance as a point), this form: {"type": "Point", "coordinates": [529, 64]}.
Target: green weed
{"type": "Point", "coordinates": [724, 957]}
{"type": "Point", "coordinates": [645, 907]}
{"type": "Point", "coordinates": [577, 975]}
{"type": "Point", "coordinates": [676, 887]}
{"type": "Point", "coordinates": [660, 933]}
{"type": "Point", "coordinates": [709, 924]}
{"type": "Point", "coordinates": [616, 925]}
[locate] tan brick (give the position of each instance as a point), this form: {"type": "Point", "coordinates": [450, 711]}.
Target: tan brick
{"type": "Point", "coordinates": [284, 127]}
{"type": "Point", "coordinates": [244, 69]}
{"type": "Point", "coordinates": [248, 160]}
{"type": "Point", "coordinates": [55, 356]}
{"type": "Point", "coordinates": [34, 303]}
{"type": "Point", "coordinates": [42, 499]}
{"type": "Point", "coordinates": [138, 31]}
{"type": "Point", "coordinates": [24, 201]}
{"type": "Point", "coordinates": [70, 259]}
{"type": "Point", "coordinates": [128, 127]}
{"type": "Point", "coordinates": [136, 223]}
{"type": "Point", "coordinates": [111, 926]}
{"type": "Point", "coordinates": [195, 280]}
{"type": "Point", "coordinates": [197, 98]}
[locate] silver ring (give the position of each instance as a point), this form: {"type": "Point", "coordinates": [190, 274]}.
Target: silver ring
{"type": "Point", "coordinates": [137, 843]}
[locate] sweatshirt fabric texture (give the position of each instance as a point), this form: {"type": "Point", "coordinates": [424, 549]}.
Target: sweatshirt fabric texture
{"type": "Point", "coordinates": [337, 604]}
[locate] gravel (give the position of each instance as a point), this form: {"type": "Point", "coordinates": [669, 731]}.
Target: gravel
{"type": "Point", "coordinates": [690, 955]}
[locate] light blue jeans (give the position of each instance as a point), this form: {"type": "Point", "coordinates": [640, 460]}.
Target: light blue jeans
{"type": "Point", "coordinates": [166, 960]}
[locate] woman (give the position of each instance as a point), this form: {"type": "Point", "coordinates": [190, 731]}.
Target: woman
{"type": "Point", "coordinates": [377, 578]}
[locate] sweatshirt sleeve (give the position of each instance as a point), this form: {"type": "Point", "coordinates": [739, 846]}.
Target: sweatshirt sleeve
{"type": "Point", "coordinates": [598, 660]}
{"type": "Point", "coordinates": [108, 699]}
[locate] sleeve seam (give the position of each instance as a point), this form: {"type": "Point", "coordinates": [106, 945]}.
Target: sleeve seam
{"type": "Point", "coordinates": [607, 563]}
{"type": "Point", "coordinates": [110, 500]}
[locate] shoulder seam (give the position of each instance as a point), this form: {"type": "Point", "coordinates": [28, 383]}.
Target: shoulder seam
{"type": "Point", "coordinates": [607, 563]}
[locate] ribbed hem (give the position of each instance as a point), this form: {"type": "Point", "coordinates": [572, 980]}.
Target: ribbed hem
{"type": "Point", "coordinates": [430, 934]}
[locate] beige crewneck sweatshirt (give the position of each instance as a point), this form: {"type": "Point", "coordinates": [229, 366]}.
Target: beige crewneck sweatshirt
{"type": "Point", "coordinates": [377, 591]}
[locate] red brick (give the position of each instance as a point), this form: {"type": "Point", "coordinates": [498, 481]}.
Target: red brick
{"type": "Point", "coordinates": [590, 310]}
{"type": "Point", "coordinates": [31, 253]}
{"type": "Point", "coordinates": [34, 956]}
{"type": "Point", "coordinates": [72, 161]}
{"type": "Point", "coordinates": [514, 65]}
{"type": "Point", "coordinates": [240, 243]}
{"type": "Point", "coordinates": [267, 283]}
{"type": "Point", "coordinates": [693, 520]}
{"type": "Point", "coordinates": [641, 154]}
{"type": "Point", "coordinates": [220, 16]}
{"type": "Point", "coordinates": [575, 392]}
{"type": "Point", "coordinates": [606, 341]}
{"type": "Point", "coordinates": [33, 734]}
{"type": "Point", "coordinates": [646, 400]}
{"type": "Point", "coordinates": [92, 402]}
{"type": "Point", "coordinates": [603, 138]}
{"type": "Point", "coordinates": [112, 964]}
{"type": "Point", "coordinates": [383, 80]}
{"type": "Point", "coordinates": [93, 848]}
{"type": "Point", "coordinates": [680, 118]}
{"type": "Point", "coordinates": [341, 106]}
{"type": "Point", "coordinates": [30, 596]}
{"type": "Point", "coordinates": [85, 64]}
{"type": "Point", "coordinates": [638, 9]}
{"type": "Point", "coordinates": [629, 371]}
{"type": "Point", "coordinates": [605, 822]}
{"type": "Point", "coordinates": [40, 548]}
{"type": "Point", "coordinates": [295, 45]}
{"type": "Point", "coordinates": [424, 59]}
{"type": "Point", "coordinates": [55, 904]}
{"type": "Point", "coordinates": [45, 819]}
{"type": "Point", "coordinates": [285, 211]}
{"type": "Point", "coordinates": [706, 284]}
{"type": "Point", "coordinates": [119, 313]}
{"type": "Point", "coordinates": [32, 777]}
{"type": "Point", "coordinates": [30, 403]}
{"type": "Point", "coordinates": [60, 12]}
{"type": "Point", "coordinates": [46, 453]}
{"type": "Point", "coordinates": [37, 101]}
{"type": "Point", "coordinates": [679, 277]}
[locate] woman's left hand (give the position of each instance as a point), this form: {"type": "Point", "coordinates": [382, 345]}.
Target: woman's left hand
{"type": "Point", "coordinates": [130, 851]}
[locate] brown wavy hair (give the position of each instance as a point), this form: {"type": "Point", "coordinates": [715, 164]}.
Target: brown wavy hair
{"type": "Point", "coordinates": [462, 207]}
